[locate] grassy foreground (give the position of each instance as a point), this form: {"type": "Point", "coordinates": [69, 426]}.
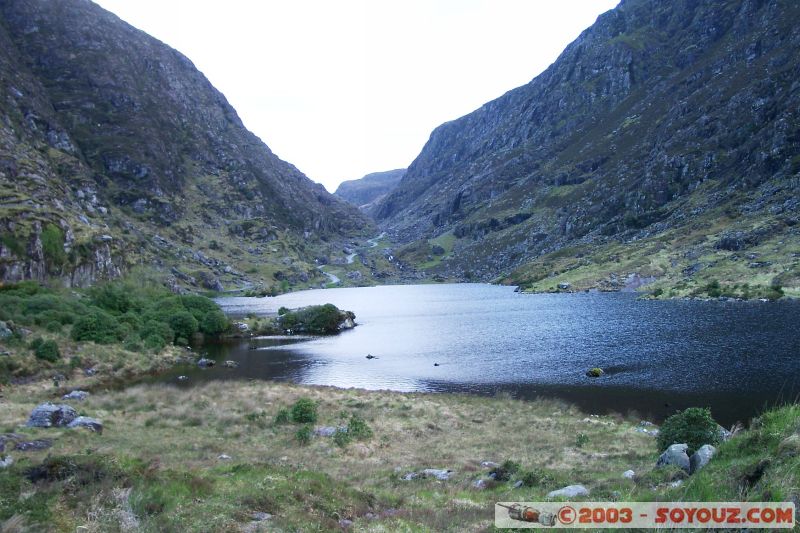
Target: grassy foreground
{"type": "Point", "coordinates": [208, 458]}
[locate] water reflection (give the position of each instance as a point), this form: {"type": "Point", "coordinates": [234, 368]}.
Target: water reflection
{"type": "Point", "coordinates": [659, 355]}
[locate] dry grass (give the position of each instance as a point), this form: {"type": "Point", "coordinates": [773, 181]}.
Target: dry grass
{"type": "Point", "coordinates": [186, 430]}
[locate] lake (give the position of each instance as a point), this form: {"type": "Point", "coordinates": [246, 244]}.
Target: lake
{"type": "Point", "coordinates": [659, 356]}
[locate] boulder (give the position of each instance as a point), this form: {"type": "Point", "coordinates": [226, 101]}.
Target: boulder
{"type": "Point", "coordinates": [183, 378]}
{"type": "Point", "coordinates": [6, 461]}
{"type": "Point", "coordinates": [230, 364]}
{"type": "Point", "coordinates": [571, 491]}
{"type": "Point", "coordinates": [86, 422]}
{"type": "Point", "coordinates": [564, 286]}
{"type": "Point", "coordinates": [479, 484]}
{"type": "Point", "coordinates": [33, 445]}
{"type": "Point", "coordinates": [701, 457]}
{"type": "Point", "coordinates": [442, 475]}
{"type": "Point", "coordinates": [205, 363]}
{"type": "Point", "coordinates": [328, 431]}
{"type": "Point", "coordinates": [5, 330]}
{"type": "Point", "coordinates": [48, 415]}
{"type": "Point", "coordinates": [675, 455]}
{"type": "Point", "coordinates": [628, 474]}
{"type": "Point", "coordinates": [76, 395]}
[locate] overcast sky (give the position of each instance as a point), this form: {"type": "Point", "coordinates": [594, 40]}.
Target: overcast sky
{"type": "Point", "coordinates": [342, 88]}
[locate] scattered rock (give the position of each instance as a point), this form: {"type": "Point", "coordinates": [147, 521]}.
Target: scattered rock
{"type": "Point", "coordinates": [564, 286]}
{"type": "Point", "coordinates": [595, 372]}
{"type": "Point", "coordinates": [344, 523]}
{"type": "Point", "coordinates": [260, 517]}
{"type": "Point", "coordinates": [4, 353]}
{"type": "Point", "coordinates": [33, 445]}
{"type": "Point", "coordinates": [76, 395]}
{"type": "Point", "coordinates": [675, 484]}
{"type": "Point", "coordinates": [205, 363]}
{"type": "Point", "coordinates": [435, 364]}
{"type": "Point", "coordinates": [570, 491]}
{"type": "Point", "coordinates": [90, 371]}
{"type": "Point", "coordinates": [519, 483]}
{"type": "Point", "coordinates": [675, 455]}
{"type": "Point", "coordinates": [328, 431]}
{"type": "Point", "coordinates": [370, 356]}
{"type": "Point", "coordinates": [479, 484]}
{"type": "Point", "coordinates": [628, 474]}
{"type": "Point", "coordinates": [489, 464]}
{"type": "Point", "coordinates": [5, 330]}
{"type": "Point", "coordinates": [47, 415]}
{"type": "Point", "coordinates": [224, 457]}
{"type": "Point", "coordinates": [183, 378]}
{"type": "Point", "coordinates": [6, 461]}
{"type": "Point", "coordinates": [442, 475]}
{"type": "Point", "coordinates": [410, 476]}
{"type": "Point", "coordinates": [701, 457]}
{"type": "Point", "coordinates": [230, 364]}
{"type": "Point", "coordinates": [86, 422]}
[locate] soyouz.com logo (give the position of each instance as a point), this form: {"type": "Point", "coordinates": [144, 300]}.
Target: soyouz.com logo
{"type": "Point", "coordinates": [628, 515]}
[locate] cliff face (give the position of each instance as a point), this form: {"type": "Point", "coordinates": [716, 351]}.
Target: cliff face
{"type": "Point", "coordinates": [662, 120]}
{"type": "Point", "coordinates": [366, 192]}
{"type": "Point", "coordinates": [108, 138]}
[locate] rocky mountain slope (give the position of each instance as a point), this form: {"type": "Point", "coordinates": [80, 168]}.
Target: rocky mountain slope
{"type": "Point", "coordinates": [115, 151]}
{"type": "Point", "coordinates": [662, 144]}
{"type": "Point", "coordinates": [369, 190]}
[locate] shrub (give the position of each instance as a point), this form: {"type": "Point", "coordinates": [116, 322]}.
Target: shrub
{"type": "Point", "coordinates": [303, 435]}
{"type": "Point", "coordinates": [304, 411]}
{"type": "Point", "coordinates": [693, 427]}
{"type": "Point", "coordinates": [184, 324]}
{"type": "Point", "coordinates": [316, 319]}
{"type": "Point", "coordinates": [282, 311]}
{"type": "Point", "coordinates": [53, 245]}
{"type": "Point", "coordinates": [535, 477]}
{"type": "Point", "coordinates": [713, 289]}
{"type": "Point", "coordinates": [342, 437]}
{"type": "Point", "coordinates": [358, 429]}
{"type": "Point", "coordinates": [46, 350]}
{"type": "Point", "coordinates": [505, 470]}
{"type": "Point", "coordinates": [581, 440]}
{"type": "Point", "coordinates": [133, 343]}
{"type": "Point", "coordinates": [156, 334]}
{"type": "Point", "coordinates": [214, 323]}
{"type": "Point", "coordinates": [97, 326]}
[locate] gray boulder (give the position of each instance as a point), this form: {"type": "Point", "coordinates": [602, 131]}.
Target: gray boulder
{"type": "Point", "coordinates": [6, 461]}
{"type": "Point", "coordinates": [629, 474]}
{"type": "Point", "coordinates": [675, 455]}
{"type": "Point", "coordinates": [86, 422]}
{"type": "Point", "coordinates": [570, 491]}
{"type": "Point", "coordinates": [442, 475]}
{"type": "Point", "coordinates": [701, 457]}
{"type": "Point", "coordinates": [328, 431]}
{"type": "Point", "coordinates": [205, 363]}
{"type": "Point", "coordinates": [48, 415]}
{"type": "Point", "coordinates": [230, 364]}
{"type": "Point", "coordinates": [76, 395]}
{"type": "Point", "coordinates": [5, 330]}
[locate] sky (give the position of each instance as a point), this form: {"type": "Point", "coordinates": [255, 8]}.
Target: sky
{"type": "Point", "coordinates": [342, 88]}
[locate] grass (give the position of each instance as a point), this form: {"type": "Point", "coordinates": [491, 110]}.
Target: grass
{"type": "Point", "coordinates": [158, 463]}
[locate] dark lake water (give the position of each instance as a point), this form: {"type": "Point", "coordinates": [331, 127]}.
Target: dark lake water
{"type": "Point", "coordinates": [659, 356]}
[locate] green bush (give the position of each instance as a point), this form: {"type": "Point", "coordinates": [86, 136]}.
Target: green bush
{"type": "Point", "coordinates": [315, 319]}
{"type": "Point", "coordinates": [303, 435]}
{"type": "Point", "coordinates": [358, 429]}
{"type": "Point", "coordinates": [535, 477]}
{"type": "Point", "coordinates": [282, 311]}
{"type": "Point", "coordinates": [713, 289]}
{"type": "Point", "coordinates": [97, 326]}
{"type": "Point", "coordinates": [45, 349]}
{"type": "Point", "coordinates": [581, 440]}
{"type": "Point", "coordinates": [53, 246]}
{"type": "Point", "coordinates": [505, 471]}
{"type": "Point", "coordinates": [304, 411]}
{"type": "Point", "coordinates": [693, 427]}
{"type": "Point", "coordinates": [184, 324]}
{"type": "Point", "coordinates": [342, 437]}
{"type": "Point", "coordinates": [214, 322]}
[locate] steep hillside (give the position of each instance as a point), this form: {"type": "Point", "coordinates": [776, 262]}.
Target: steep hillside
{"type": "Point", "coordinates": [116, 151]}
{"type": "Point", "coordinates": [662, 143]}
{"type": "Point", "coordinates": [370, 189]}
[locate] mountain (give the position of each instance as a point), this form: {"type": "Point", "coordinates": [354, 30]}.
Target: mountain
{"type": "Point", "coordinates": [662, 145]}
{"type": "Point", "coordinates": [365, 192]}
{"type": "Point", "coordinates": [115, 151]}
